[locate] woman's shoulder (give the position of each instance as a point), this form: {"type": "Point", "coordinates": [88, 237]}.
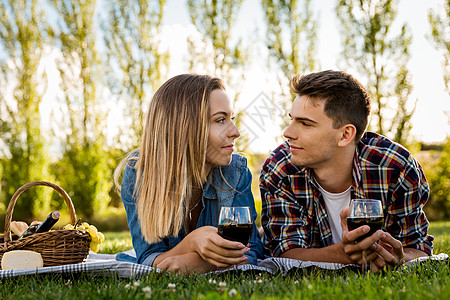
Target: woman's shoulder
{"type": "Point", "coordinates": [234, 171]}
{"type": "Point", "coordinates": [130, 165]}
{"type": "Point", "coordinates": [225, 180]}
{"type": "Point", "coordinates": [237, 161]}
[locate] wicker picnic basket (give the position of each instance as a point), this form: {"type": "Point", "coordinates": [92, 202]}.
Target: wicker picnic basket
{"type": "Point", "coordinates": [57, 247]}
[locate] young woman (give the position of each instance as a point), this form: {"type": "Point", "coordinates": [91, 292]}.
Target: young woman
{"type": "Point", "coordinates": [174, 186]}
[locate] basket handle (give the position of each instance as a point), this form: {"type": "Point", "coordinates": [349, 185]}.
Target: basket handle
{"type": "Point", "coordinates": [12, 203]}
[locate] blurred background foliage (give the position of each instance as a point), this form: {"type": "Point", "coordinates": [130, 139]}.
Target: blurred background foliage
{"type": "Point", "coordinates": [108, 66]}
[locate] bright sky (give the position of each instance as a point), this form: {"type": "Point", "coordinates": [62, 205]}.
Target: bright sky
{"type": "Point", "coordinates": [430, 122]}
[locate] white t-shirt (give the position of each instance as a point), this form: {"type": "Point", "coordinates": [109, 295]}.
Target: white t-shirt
{"type": "Point", "coordinates": [334, 204]}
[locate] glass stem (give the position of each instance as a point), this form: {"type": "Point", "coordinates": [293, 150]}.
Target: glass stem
{"type": "Point", "coordinates": [364, 261]}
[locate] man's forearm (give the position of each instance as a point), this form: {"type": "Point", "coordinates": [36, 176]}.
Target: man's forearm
{"type": "Point", "coordinates": [412, 253]}
{"type": "Point", "coordinates": [334, 253]}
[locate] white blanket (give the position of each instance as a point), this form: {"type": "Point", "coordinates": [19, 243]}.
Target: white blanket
{"type": "Point", "coordinates": [107, 265]}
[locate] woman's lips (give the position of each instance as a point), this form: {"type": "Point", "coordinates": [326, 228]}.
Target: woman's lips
{"type": "Point", "coordinates": [228, 147]}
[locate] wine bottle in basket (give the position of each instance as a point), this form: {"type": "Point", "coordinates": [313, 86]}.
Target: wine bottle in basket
{"type": "Point", "coordinates": [44, 226]}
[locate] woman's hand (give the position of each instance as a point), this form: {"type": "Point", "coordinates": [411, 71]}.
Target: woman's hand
{"type": "Point", "coordinates": [187, 264]}
{"type": "Point", "coordinates": [214, 249]}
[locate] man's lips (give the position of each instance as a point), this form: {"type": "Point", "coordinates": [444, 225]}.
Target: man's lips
{"type": "Point", "coordinates": [294, 148]}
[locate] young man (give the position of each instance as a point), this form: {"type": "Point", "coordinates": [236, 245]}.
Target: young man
{"type": "Point", "coordinates": [307, 182]}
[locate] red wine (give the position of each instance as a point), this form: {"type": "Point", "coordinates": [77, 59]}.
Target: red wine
{"type": "Point", "coordinates": [30, 230]}
{"type": "Point", "coordinates": [375, 223]}
{"type": "Point", "coordinates": [239, 233]}
{"type": "Point", "coordinates": [44, 226]}
{"type": "Point", "coordinates": [49, 222]}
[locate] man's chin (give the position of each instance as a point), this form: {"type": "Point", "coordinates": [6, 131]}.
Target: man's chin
{"type": "Point", "coordinates": [298, 163]}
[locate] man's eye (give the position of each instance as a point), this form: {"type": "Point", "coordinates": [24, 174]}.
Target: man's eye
{"type": "Point", "coordinates": [305, 124]}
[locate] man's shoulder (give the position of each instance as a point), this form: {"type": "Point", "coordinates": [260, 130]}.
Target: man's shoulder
{"type": "Point", "coordinates": [279, 162]}
{"type": "Point", "coordinates": [377, 149]}
{"type": "Point", "coordinates": [281, 155]}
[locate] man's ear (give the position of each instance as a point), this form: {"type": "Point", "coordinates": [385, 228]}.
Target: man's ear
{"type": "Point", "coordinates": [348, 133]}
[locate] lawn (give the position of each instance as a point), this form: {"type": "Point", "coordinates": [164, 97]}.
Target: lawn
{"type": "Point", "coordinates": [430, 280]}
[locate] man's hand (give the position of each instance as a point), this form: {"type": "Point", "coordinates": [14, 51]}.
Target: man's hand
{"type": "Point", "coordinates": [351, 248]}
{"type": "Point", "coordinates": [391, 253]}
{"type": "Point", "coordinates": [382, 249]}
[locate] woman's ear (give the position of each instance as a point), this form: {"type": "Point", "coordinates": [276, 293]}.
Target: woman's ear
{"type": "Point", "coordinates": [348, 133]}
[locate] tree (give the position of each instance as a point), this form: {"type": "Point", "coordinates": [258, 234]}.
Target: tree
{"type": "Point", "coordinates": [22, 85]}
{"type": "Point", "coordinates": [132, 34]}
{"type": "Point", "coordinates": [438, 175]}
{"type": "Point", "coordinates": [217, 53]}
{"type": "Point", "coordinates": [381, 60]}
{"type": "Point", "coordinates": [291, 39]}
{"type": "Point", "coordinates": [83, 169]}
{"type": "Point", "coordinates": [291, 35]}
{"type": "Point", "coordinates": [440, 34]}
{"type": "Point", "coordinates": [439, 178]}
{"type": "Point", "coordinates": [215, 21]}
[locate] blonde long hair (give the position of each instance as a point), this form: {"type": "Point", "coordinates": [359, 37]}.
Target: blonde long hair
{"type": "Point", "coordinates": [172, 155]}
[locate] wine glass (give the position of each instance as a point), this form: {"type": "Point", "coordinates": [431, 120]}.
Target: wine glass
{"type": "Point", "coordinates": [365, 212]}
{"type": "Point", "coordinates": [235, 224]}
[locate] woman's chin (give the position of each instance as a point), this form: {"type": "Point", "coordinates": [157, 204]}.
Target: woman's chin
{"type": "Point", "coordinates": [225, 161]}
{"type": "Point", "coordinates": [222, 160]}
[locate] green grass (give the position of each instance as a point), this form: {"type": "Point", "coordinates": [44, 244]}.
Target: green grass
{"type": "Point", "coordinates": [441, 232]}
{"type": "Point", "coordinates": [429, 280]}
{"type": "Point", "coordinates": [116, 242]}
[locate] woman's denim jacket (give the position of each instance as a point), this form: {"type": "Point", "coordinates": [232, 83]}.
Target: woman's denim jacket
{"type": "Point", "coordinates": [216, 193]}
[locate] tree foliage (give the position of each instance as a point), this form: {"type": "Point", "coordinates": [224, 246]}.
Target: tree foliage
{"type": "Point", "coordinates": [83, 168]}
{"type": "Point", "coordinates": [380, 57]}
{"type": "Point", "coordinates": [132, 35]}
{"type": "Point", "coordinates": [218, 53]}
{"type": "Point", "coordinates": [215, 20]}
{"type": "Point", "coordinates": [291, 39]}
{"type": "Point", "coordinates": [438, 175]}
{"type": "Point", "coordinates": [440, 33]}
{"type": "Point", "coordinates": [291, 35]}
{"type": "Point", "coordinates": [22, 85]}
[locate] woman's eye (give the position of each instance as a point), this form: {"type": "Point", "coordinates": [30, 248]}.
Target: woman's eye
{"type": "Point", "coordinates": [221, 120]}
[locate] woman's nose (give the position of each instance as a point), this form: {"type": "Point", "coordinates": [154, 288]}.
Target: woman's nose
{"type": "Point", "coordinates": [234, 132]}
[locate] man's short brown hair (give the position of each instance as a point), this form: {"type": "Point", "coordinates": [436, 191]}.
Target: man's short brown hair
{"type": "Point", "coordinates": [347, 101]}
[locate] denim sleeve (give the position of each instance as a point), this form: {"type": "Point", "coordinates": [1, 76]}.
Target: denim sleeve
{"type": "Point", "coordinates": [244, 197]}
{"type": "Point", "coordinates": [145, 252]}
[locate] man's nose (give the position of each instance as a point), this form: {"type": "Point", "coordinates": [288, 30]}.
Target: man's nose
{"type": "Point", "coordinates": [288, 132]}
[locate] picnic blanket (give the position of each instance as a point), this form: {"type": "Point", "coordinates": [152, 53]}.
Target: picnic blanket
{"type": "Point", "coordinates": [108, 265]}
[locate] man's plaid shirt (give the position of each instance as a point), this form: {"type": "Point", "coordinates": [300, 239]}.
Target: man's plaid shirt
{"type": "Point", "coordinates": [293, 209]}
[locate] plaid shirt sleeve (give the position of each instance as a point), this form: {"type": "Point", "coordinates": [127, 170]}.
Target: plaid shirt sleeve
{"type": "Point", "coordinates": [282, 218]}
{"type": "Point", "coordinates": [405, 218]}
{"type": "Point", "coordinates": [393, 175]}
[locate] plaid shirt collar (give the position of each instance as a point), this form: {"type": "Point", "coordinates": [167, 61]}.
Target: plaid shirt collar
{"type": "Point", "coordinates": [319, 209]}
{"type": "Point", "coordinates": [294, 212]}
{"type": "Point", "coordinates": [357, 172]}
